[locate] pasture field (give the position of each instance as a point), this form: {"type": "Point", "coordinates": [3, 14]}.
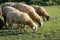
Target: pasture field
{"type": "Point", "coordinates": [50, 30]}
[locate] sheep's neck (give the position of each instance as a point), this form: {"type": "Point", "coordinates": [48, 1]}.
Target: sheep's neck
{"type": "Point", "coordinates": [30, 23]}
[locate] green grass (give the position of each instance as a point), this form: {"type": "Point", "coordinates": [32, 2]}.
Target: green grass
{"type": "Point", "coordinates": [50, 30]}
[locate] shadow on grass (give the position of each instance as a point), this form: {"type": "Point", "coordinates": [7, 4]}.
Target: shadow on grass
{"type": "Point", "coordinates": [5, 32]}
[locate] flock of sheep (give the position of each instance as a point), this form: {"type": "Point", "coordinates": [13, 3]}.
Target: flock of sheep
{"type": "Point", "coordinates": [23, 14]}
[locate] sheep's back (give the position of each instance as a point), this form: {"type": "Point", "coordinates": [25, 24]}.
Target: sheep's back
{"type": "Point", "coordinates": [27, 9]}
{"type": "Point", "coordinates": [18, 17]}
{"type": "Point", "coordinates": [40, 10]}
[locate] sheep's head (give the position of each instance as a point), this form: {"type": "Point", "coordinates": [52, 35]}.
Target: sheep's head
{"type": "Point", "coordinates": [9, 3]}
{"type": "Point", "coordinates": [34, 27]}
{"type": "Point", "coordinates": [40, 22]}
{"type": "Point", "coordinates": [47, 17]}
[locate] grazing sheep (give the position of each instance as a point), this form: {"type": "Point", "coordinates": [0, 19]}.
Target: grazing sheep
{"type": "Point", "coordinates": [15, 16]}
{"type": "Point", "coordinates": [1, 23]}
{"type": "Point", "coordinates": [41, 11]}
{"type": "Point", "coordinates": [29, 10]}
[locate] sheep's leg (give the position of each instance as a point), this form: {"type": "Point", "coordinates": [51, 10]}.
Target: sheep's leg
{"type": "Point", "coordinates": [10, 26]}
{"type": "Point", "coordinates": [9, 29]}
{"type": "Point", "coordinates": [24, 28]}
{"type": "Point", "coordinates": [18, 26]}
{"type": "Point", "coordinates": [12, 29]}
{"type": "Point", "coordinates": [5, 22]}
{"type": "Point", "coordinates": [21, 27]}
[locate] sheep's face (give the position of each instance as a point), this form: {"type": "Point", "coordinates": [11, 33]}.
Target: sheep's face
{"type": "Point", "coordinates": [34, 28]}
{"type": "Point", "coordinates": [9, 4]}
{"type": "Point", "coordinates": [40, 22]}
{"type": "Point", "coordinates": [47, 17]}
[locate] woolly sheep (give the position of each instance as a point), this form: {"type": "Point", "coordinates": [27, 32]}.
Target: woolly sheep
{"type": "Point", "coordinates": [15, 16]}
{"type": "Point", "coordinates": [41, 11]}
{"type": "Point", "coordinates": [29, 10]}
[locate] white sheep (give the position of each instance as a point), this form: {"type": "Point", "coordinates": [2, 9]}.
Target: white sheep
{"type": "Point", "coordinates": [29, 10]}
{"type": "Point", "coordinates": [15, 16]}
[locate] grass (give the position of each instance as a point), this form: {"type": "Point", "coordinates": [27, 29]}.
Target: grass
{"type": "Point", "coordinates": [50, 30]}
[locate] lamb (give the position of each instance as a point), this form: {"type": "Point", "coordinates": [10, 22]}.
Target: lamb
{"type": "Point", "coordinates": [41, 11]}
{"type": "Point", "coordinates": [15, 16]}
{"type": "Point", "coordinates": [29, 10]}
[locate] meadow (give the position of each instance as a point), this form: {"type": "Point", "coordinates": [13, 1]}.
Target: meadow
{"type": "Point", "coordinates": [50, 30]}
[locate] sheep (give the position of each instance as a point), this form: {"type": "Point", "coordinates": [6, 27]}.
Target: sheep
{"type": "Point", "coordinates": [41, 11]}
{"type": "Point", "coordinates": [29, 10]}
{"type": "Point", "coordinates": [15, 16]}
{"type": "Point", "coordinates": [1, 23]}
